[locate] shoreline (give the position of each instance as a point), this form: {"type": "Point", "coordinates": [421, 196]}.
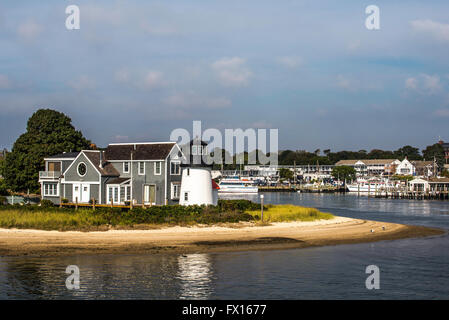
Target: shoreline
{"type": "Point", "coordinates": [201, 239]}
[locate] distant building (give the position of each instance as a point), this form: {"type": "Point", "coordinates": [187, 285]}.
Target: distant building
{"type": "Point", "coordinates": [371, 167]}
{"type": "Point", "coordinates": [405, 168]}
{"type": "Point", "coordinates": [423, 168]}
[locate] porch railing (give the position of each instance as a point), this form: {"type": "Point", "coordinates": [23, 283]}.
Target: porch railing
{"type": "Point", "coordinates": [49, 174]}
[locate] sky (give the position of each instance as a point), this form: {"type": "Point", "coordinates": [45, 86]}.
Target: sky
{"type": "Point", "coordinates": [136, 70]}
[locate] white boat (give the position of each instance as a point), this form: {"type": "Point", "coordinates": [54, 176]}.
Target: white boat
{"type": "Point", "coordinates": [237, 185]}
{"type": "Point", "coordinates": [370, 186]}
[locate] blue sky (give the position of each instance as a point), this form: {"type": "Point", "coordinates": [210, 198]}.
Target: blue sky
{"type": "Point", "coordinates": [136, 70]}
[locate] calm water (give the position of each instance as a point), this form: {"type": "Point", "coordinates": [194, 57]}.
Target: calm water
{"type": "Point", "coordinates": [409, 269]}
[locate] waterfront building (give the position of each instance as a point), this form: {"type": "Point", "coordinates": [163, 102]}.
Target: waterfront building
{"type": "Point", "coordinates": [372, 167]}
{"type": "Point", "coordinates": [405, 168]}
{"type": "Point", "coordinates": [423, 168]}
{"type": "Point", "coordinates": [142, 173]}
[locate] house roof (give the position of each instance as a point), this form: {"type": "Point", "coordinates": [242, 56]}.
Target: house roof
{"type": "Point", "coordinates": [378, 161]}
{"type": "Point", "coordinates": [107, 168]}
{"type": "Point", "coordinates": [417, 163]}
{"type": "Point", "coordinates": [141, 151]}
{"type": "Point", "coordinates": [346, 162]}
{"type": "Point", "coordinates": [65, 155]}
{"type": "Point", "coordinates": [365, 161]}
{"type": "Point", "coordinates": [439, 180]}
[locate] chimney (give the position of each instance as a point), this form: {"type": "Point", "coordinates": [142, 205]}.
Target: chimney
{"type": "Point", "coordinates": [101, 159]}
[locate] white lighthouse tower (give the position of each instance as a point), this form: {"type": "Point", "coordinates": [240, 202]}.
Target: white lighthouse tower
{"type": "Point", "coordinates": [196, 183]}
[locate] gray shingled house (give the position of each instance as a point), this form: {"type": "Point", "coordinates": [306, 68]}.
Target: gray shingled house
{"type": "Point", "coordinates": [148, 173]}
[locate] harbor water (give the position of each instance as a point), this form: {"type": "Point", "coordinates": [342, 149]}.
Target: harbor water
{"type": "Point", "coordinates": [409, 268]}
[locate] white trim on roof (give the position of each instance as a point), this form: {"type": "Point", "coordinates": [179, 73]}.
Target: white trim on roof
{"type": "Point", "coordinates": [79, 154]}
{"type": "Point", "coordinates": [133, 143]}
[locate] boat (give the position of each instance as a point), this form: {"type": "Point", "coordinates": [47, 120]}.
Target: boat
{"type": "Point", "coordinates": [237, 185]}
{"type": "Point", "coordinates": [370, 186]}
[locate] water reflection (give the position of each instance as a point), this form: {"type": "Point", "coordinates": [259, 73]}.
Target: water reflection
{"type": "Point", "coordinates": [410, 268]}
{"type": "Point", "coordinates": [195, 274]}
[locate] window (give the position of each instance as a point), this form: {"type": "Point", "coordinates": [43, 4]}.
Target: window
{"type": "Point", "coordinates": [50, 189]}
{"type": "Point", "coordinates": [157, 168]}
{"type": "Point", "coordinates": [175, 189]}
{"type": "Point", "coordinates": [125, 167]}
{"type": "Point", "coordinates": [194, 150]}
{"type": "Point", "coordinates": [141, 168]}
{"type": "Point", "coordinates": [175, 168]}
{"type": "Point", "coordinates": [186, 196]}
{"type": "Point", "coordinates": [82, 169]}
{"type": "Point", "coordinates": [188, 171]}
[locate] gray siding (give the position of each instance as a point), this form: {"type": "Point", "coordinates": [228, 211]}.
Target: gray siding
{"type": "Point", "coordinates": [149, 178]}
{"type": "Point", "coordinates": [91, 173]}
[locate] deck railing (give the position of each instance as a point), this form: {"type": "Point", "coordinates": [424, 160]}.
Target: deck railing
{"type": "Point", "coordinates": [49, 174]}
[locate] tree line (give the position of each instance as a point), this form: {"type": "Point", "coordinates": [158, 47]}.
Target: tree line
{"type": "Point", "coordinates": [50, 132]}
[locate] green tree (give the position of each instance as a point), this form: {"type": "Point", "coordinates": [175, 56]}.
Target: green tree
{"type": "Point", "coordinates": [410, 152]}
{"type": "Point", "coordinates": [344, 173]}
{"type": "Point", "coordinates": [49, 132]}
{"type": "Point", "coordinates": [285, 174]}
{"type": "Point", "coordinates": [434, 151]}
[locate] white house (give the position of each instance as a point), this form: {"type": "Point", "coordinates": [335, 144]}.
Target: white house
{"type": "Point", "coordinates": [405, 168]}
{"type": "Point", "coordinates": [418, 185]}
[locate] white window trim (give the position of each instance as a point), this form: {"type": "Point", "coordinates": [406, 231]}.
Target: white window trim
{"type": "Point", "coordinates": [179, 172]}
{"type": "Point", "coordinates": [47, 194]}
{"type": "Point", "coordinates": [127, 171]}
{"type": "Point", "coordinates": [138, 168]}
{"type": "Point", "coordinates": [173, 184]}
{"type": "Point", "coordinates": [77, 169]}
{"type": "Point", "coordinates": [160, 168]}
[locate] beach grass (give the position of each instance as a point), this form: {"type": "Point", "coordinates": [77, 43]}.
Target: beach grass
{"type": "Point", "coordinates": [85, 219]}
{"type": "Point", "coordinates": [51, 220]}
{"type": "Point", "coordinates": [287, 212]}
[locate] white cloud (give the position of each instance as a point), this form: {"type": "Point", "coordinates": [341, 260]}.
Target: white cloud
{"type": "Point", "coordinates": [154, 79]}
{"type": "Point", "coordinates": [290, 62]}
{"type": "Point", "coordinates": [424, 84]}
{"type": "Point", "coordinates": [82, 83]}
{"type": "Point", "coordinates": [437, 30]}
{"type": "Point", "coordinates": [431, 83]}
{"type": "Point", "coordinates": [5, 83]}
{"type": "Point", "coordinates": [191, 100]}
{"type": "Point", "coordinates": [411, 83]}
{"type": "Point", "coordinates": [29, 30]}
{"type": "Point", "coordinates": [442, 113]}
{"type": "Point", "coordinates": [232, 72]}
{"type": "Point", "coordinates": [344, 82]}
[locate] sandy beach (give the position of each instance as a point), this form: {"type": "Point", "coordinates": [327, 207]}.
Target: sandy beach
{"type": "Point", "coordinates": [238, 237]}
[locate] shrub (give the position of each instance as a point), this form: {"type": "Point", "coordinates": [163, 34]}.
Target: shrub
{"type": "Point", "coordinates": [3, 188]}
{"type": "Point", "coordinates": [65, 200]}
{"type": "Point", "coordinates": [46, 204]}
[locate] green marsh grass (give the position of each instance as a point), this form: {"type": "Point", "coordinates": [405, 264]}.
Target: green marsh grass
{"type": "Point", "coordinates": [286, 212]}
